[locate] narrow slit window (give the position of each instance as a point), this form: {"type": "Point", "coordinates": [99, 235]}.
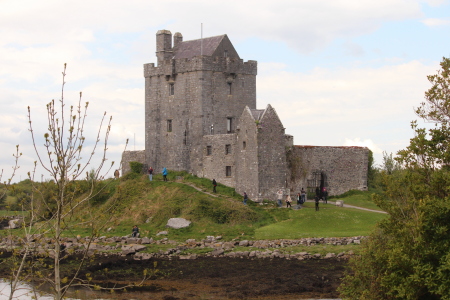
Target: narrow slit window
{"type": "Point", "coordinates": [208, 150]}
{"type": "Point", "coordinates": [244, 145]}
{"type": "Point", "coordinates": [229, 125]}
{"type": "Point", "coordinates": [169, 125]}
{"type": "Point", "coordinates": [225, 53]}
{"type": "Point", "coordinates": [171, 89]}
{"type": "Point", "coordinates": [229, 88]}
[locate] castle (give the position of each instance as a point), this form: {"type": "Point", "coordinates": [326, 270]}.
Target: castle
{"type": "Point", "coordinates": [201, 116]}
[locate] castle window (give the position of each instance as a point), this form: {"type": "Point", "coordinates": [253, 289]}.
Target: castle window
{"type": "Point", "coordinates": [229, 86]}
{"type": "Point", "coordinates": [244, 145]}
{"type": "Point", "coordinates": [169, 125]}
{"type": "Point", "coordinates": [227, 149]}
{"type": "Point", "coordinates": [208, 150]}
{"type": "Point", "coordinates": [171, 89]}
{"type": "Point", "coordinates": [229, 123]}
{"type": "Point", "coordinates": [228, 171]}
{"type": "Point", "coordinates": [225, 53]}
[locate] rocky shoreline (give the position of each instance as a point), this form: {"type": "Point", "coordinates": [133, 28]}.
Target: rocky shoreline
{"type": "Point", "coordinates": [137, 248]}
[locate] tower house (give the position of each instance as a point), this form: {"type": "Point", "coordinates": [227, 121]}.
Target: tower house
{"type": "Point", "coordinates": [198, 88]}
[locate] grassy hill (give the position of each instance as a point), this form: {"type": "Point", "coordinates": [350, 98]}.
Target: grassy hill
{"type": "Point", "coordinates": [150, 204]}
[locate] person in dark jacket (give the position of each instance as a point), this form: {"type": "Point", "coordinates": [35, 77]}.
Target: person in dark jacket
{"type": "Point", "coordinates": [214, 183]}
{"type": "Point", "coordinates": [245, 198]}
{"type": "Point", "coordinates": [325, 195]}
{"type": "Point", "coordinates": [135, 231]}
{"type": "Point", "coordinates": [150, 173]}
{"type": "Point", "coordinates": [316, 199]}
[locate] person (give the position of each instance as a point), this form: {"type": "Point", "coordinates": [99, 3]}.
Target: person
{"type": "Point", "coordinates": [150, 173]}
{"type": "Point", "coordinates": [325, 195]}
{"type": "Point", "coordinates": [288, 201]}
{"type": "Point", "coordinates": [316, 199]}
{"type": "Point", "coordinates": [299, 199]}
{"type": "Point", "coordinates": [279, 197]}
{"type": "Point", "coordinates": [214, 183]}
{"type": "Point", "coordinates": [303, 196]}
{"type": "Point", "coordinates": [245, 198]}
{"type": "Point", "coordinates": [135, 231]}
{"type": "Point", "coordinates": [116, 174]}
{"type": "Point", "coordinates": [164, 173]}
{"type": "Point", "coordinates": [317, 192]}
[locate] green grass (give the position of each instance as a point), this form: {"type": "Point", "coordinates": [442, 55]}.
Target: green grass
{"type": "Point", "coordinates": [358, 198]}
{"type": "Point", "coordinates": [329, 221]}
{"type": "Point", "coordinates": [7, 213]}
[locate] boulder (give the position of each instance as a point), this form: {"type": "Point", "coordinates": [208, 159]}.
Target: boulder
{"type": "Point", "coordinates": [15, 223]}
{"type": "Point", "coordinates": [177, 223]}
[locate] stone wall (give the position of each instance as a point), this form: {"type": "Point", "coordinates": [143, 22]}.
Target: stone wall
{"type": "Point", "coordinates": [271, 154]}
{"type": "Point", "coordinates": [246, 171]}
{"type": "Point", "coordinates": [128, 156]}
{"type": "Point", "coordinates": [339, 168]}
{"type": "Point", "coordinates": [222, 155]}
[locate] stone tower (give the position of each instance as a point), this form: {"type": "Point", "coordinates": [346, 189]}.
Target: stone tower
{"type": "Point", "coordinates": [198, 88]}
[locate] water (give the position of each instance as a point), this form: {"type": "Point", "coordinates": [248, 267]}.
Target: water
{"type": "Point", "coordinates": [26, 292]}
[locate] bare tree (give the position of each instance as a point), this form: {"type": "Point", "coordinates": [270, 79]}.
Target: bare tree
{"type": "Point", "coordinates": [64, 157]}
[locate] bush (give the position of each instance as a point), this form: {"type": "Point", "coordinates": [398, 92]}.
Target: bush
{"type": "Point", "coordinates": [136, 167]}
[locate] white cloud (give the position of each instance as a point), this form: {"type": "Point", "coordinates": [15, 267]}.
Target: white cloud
{"type": "Point", "coordinates": [363, 143]}
{"type": "Point", "coordinates": [434, 22]}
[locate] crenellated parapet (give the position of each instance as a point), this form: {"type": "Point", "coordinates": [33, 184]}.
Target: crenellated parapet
{"type": "Point", "coordinates": [170, 67]}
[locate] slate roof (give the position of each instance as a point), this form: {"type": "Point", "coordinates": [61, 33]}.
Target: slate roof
{"type": "Point", "coordinates": [189, 49]}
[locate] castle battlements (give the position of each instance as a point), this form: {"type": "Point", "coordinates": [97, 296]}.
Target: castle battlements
{"type": "Point", "coordinates": [171, 67]}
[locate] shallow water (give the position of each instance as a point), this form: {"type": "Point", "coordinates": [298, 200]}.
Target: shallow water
{"type": "Point", "coordinates": [26, 292]}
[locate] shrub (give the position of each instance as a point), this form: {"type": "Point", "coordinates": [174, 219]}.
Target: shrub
{"type": "Point", "coordinates": [136, 167]}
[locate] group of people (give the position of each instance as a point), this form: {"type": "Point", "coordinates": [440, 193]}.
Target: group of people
{"type": "Point", "coordinates": [164, 173]}
{"type": "Point", "coordinates": [300, 197]}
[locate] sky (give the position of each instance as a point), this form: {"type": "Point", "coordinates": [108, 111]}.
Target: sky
{"type": "Point", "coordinates": [338, 72]}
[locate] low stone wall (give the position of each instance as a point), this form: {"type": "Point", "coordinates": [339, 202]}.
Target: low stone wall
{"type": "Point", "coordinates": [128, 246]}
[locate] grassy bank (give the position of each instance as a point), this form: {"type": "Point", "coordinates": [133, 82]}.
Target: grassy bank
{"type": "Point", "coordinates": [150, 204]}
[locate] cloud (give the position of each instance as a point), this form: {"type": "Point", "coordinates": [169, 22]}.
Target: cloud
{"type": "Point", "coordinates": [363, 143]}
{"type": "Point", "coordinates": [433, 22]}
{"type": "Point", "coordinates": [331, 107]}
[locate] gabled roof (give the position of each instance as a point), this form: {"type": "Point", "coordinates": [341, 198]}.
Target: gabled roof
{"type": "Point", "coordinates": [189, 49]}
{"type": "Point", "coordinates": [257, 113]}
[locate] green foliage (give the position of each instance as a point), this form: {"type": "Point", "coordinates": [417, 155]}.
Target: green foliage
{"type": "Point", "coordinates": [407, 256]}
{"type": "Point", "coordinates": [371, 171]}
{"type": "Point", "coordinates": [136, 167]}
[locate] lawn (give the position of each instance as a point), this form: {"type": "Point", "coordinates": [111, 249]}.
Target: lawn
{"type": "Point", "coordinates": [329, 221]}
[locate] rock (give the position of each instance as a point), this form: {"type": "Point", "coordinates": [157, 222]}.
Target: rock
{"type": "Point", "coordinates": [243, 243]}
{"type": "Point", "coordinates": [330, 255]}
{"type": "Point", "coordinates": [177, 223]}
{"type": "Point", "coordinates": [162, 233]}
{"type": "Point", "coordinates": [228, 245]}
{"type": "Point", "coordinates": [146, 240]}
{"type": "Point", "coordinates": [15, 223]}
{"type": "Point", "coordinates": [217, 252]}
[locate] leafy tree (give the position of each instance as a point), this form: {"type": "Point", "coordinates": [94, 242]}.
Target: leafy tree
{"type": "Point", "coordinates": [408, 254]}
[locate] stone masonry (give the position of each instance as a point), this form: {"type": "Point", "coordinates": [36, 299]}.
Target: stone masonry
{"type": "Point", "coordinates": [201, 116]}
